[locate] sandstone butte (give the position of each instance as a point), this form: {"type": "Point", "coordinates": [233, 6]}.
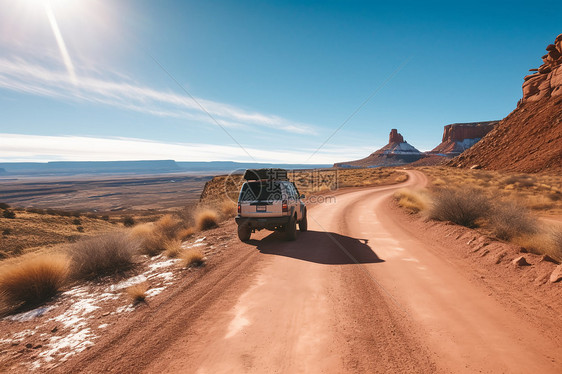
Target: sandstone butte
{"type": "Point", "coordinates": [529, 139]}
{"type": "Point", "coordinates": [396, 152]}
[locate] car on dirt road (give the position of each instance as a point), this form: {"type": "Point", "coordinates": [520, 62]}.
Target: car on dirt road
{"type": "Point", "coordinates": [268, 200]}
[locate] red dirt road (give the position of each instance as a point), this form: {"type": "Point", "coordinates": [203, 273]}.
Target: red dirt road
{"type": "Point", "coordinates": [357, 293]}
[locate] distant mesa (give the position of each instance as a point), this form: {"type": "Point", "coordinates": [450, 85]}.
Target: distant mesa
{"type": "Point", "coordinates": [397, 152]}
{"type": "Point", "coordinates": [458, 137]}
{"type": "Point", "coordinates": [529, 139]}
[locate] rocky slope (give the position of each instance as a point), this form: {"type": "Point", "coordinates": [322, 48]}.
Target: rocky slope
{"type": "Point", "coordinates": [529, 139]}
{"type": "Point", "coordinates": [396, 152]}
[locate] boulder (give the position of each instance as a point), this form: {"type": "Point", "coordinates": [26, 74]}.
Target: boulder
{"type": "Point", "coordinates": [556, 275]}
{"type": "Point", "coordinates": [520, 261]}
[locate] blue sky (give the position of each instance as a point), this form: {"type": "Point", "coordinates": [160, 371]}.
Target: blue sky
{"type": "Point", "coordinates": [81, 80]}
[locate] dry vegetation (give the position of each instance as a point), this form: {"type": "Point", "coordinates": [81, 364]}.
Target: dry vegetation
{"type": "Point", "coordinates": [307, 181]}
{"type": "Point", "coordinates": [31, 277]}
{"type": "Point", "coordinates": [504, 205]}
{"type": "Point", "coordinates": [192, 257]}
{"type": "Point", "coordinates": [538, 192]}
{"type": "Point", "coordinates": [32, 281]}
{"type": "Point", "coordinates": [137, 292]}
{"type": "Point", "coordinates": [103, 255]}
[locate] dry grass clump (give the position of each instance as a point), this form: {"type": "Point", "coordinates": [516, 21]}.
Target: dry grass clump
{"type": "Point", "coordinates": [102, 255]}
{"type": "Point", "coordinates": [557, 245]}
{"type": "Point", "coordinates": [154, 237]}
{"type": "Point", "coordinates": [137, 292]}
{"type": "Point", "coordinates": [192, 257]}
{"type": "Point", "coordinates": [206, 219]}
{"type": "Point", "coordinates": [461, 206]}
{"type": "Point", "coordinates": [509, 220]}
{"type": "Point", "coordinates": [521, 180]}
{"type": "Point", "coordinates": [548, 242]}
{"type": "Point", "coordinates": [172, 248]}
{"type": "Point", "coordinates": [185, 233]}
{"type": "Point", "coordinates": [228, 208]}
{"type": "Point", "coordinates": [32, 281]}
{"type": "Point", "coordinates": [412, 200]}
{"type": "Point", "coordinates": [168, 226]}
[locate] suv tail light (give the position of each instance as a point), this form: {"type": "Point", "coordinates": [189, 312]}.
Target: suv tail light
{"type": "Point", "coordinates": [239, 208]}
{"type": "Point", "coordinates": [284, 207]}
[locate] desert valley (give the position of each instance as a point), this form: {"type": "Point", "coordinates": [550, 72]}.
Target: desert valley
{"type": "Point", "coordinates": [446, 260]}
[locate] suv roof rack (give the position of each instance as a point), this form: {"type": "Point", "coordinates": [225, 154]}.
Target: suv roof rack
{"type": "Point", "coordinates": [266, 174]}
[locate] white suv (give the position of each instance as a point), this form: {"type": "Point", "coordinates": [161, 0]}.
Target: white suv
{"type": "Point", "coordinates": [268, 200]}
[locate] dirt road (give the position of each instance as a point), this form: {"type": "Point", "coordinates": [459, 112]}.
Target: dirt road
{"type": "Point", "coordinates": [357, 293]}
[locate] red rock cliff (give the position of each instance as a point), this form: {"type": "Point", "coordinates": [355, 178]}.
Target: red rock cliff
{"type": "Point", "coordinates": [547, 81]}
{"type": "Point", "coordinates": [529, 139]}
{"type": "Point", "coordinates": [458, 132]}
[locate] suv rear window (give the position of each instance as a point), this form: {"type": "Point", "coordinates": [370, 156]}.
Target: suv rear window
{"type": "Point", "coordinates": [261, 191]}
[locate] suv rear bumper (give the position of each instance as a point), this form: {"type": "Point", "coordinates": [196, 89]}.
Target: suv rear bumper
{"type": "Point", "coordinates": [269, 223]}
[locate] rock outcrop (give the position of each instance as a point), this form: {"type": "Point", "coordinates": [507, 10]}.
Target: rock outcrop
{"type": "Point", "coordinates": [458, 137]}
{"type": "Point", "coordinates": [547, 79]}
{"type": "Point", "coordinates": [396, 152]}
{"type": "Point", "coordinates": [529, 139]}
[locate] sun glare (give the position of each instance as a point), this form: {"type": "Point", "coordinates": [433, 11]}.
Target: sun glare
{"type": "Point", "coordinates": [52, 8]}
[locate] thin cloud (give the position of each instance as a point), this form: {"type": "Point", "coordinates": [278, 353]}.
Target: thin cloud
{"type": "Point", "coordinates": [21, 75]}
{"type": "Point", "coordinates": [33, 148]}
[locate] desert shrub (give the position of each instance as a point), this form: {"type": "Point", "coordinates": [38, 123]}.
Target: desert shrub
{"type": "Point", "coordinates": [185, 233]}
{"type": "Point", "coordinates": [4, 206]}
{"type": "Point", "coordinates": [128, 221]}
{"type": "Point", "coordinates": [509, 220]}
{"type": "Point", "coordinates": [151, 241]}
{"type": "Point", "coordinates": [80, 228]}
{"type": "Point", "coordinates": [137, 292]}
{"type": "Point", "coordinates": [206, 219]}
{"type": "Point", "coordinates": [32, 281]}
{"type": "Point", "coordinates": [168, 226]}
{"type": "Point", "coordinates": [6, 232]}
{"type": "Point", "coordinates": [103, 255]}
{"type": "Point", "coordinates": [76, 222]}
{"type": "Point", "coordinates": [192, 257]}
{"type": "Point", "coordinates": [228, 208]}
{"type": "Point", "coordinates": [105, 218]}
{"type": "Point", "coordinates": [548, 242]}
{"type": "Point", "coordinates": [557, 245]}
{"type": "Point", "coordinates": [412, 200]}
{"type": "Point", "coordinates": [172, 248]}
{"type": "Point", "coordinates": [461, 206]}
{"type": "Point", "coordinates": [522, 180]}
{"type": "Point", "coordinates": [10, 214]}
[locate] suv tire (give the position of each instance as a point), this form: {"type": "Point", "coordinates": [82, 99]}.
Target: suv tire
{"type": "Point", "coordinates": [244, 233]}
{"type": "Point", "coordinates": [303, 224]}
{"type": "Point", "coordinates": [291, 229]}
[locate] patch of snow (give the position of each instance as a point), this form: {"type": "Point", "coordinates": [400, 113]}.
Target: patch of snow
{"type": "Point", "coordinates": [29, 315]}
{"type": "Point", "coordinates": [166, 276]}
{"type": "Point", "coordinates": [154, 291]}
{"type": "Point", "coordinates": [401, 148]}
{"type": "Point", "coordinates": [124, 308]}
{"type": "Point", "coordinates": [162, 264]}
{"type": "Point", "coordinates": [200, 239]}
{"type": "Point", "coordinates": [127, 283]}
{"type": "Point", "coordinates": [103, 326]}
{"type": "Point", "coordinates": [467, 143]}
{"type": "Point", "coordinates": [23, 334]}
{"type": "Point", "coordinates": [74, 316]}
{"type": "Point", "coordinates": [76, 342]}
